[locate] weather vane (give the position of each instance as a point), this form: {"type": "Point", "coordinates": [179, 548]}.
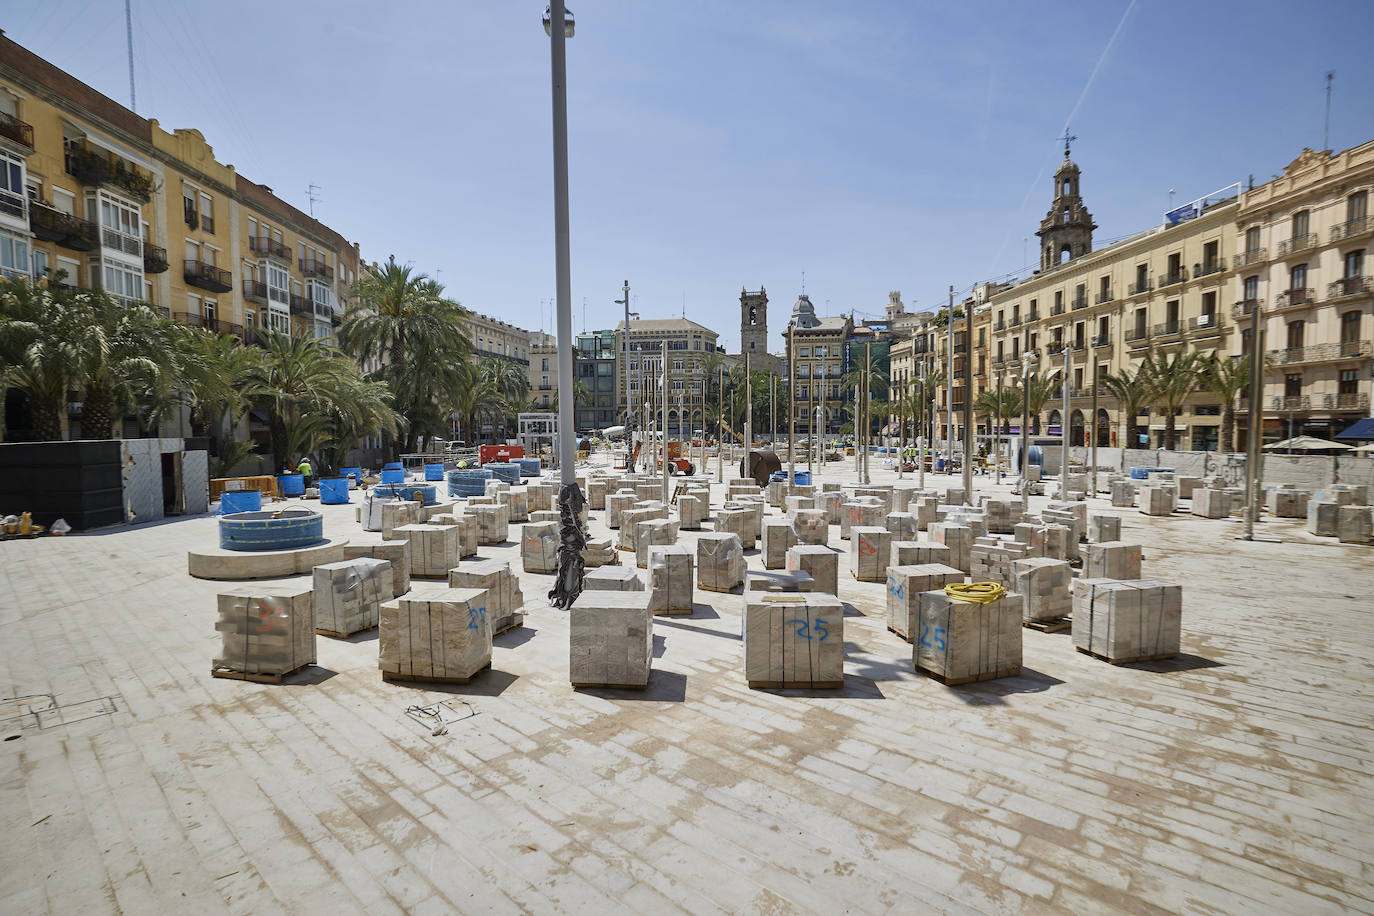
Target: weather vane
{"type": "Point", "coordinates": [1067, 138]}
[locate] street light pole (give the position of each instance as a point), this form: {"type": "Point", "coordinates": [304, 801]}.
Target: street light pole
{"type": "Point", "coordinates": [663, 452]}
{"type": "Point", "coordinates": [791, 407]}
{"type": "Point", "coordinates": [1025, 424]}
{"type": "Point", "coordinates": [625, 365]}
{"type": "Point", "coordinates": [720, 428]}
{"type": "Point", "coordinates": [920, 428]}
{"type": "Point", "coordinates": [949, 385]}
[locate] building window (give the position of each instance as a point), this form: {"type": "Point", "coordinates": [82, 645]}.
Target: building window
{"type": "Point", "coordinates": [12, 184]}
{"type": "Point", "coordinates": [1295, 329]}
{"type": "Point", "coordinates": [1252, 240]}
{"type": "Point", "coordinates": [14, 256]}
{"type": "Point", "coordinates": [1300, 224]}
{"type": "Point", "coordinates": [677, 365]}
{"type": "Point", "coordinates": [188, 209]}
{"type": "Point", "coordinates": [1298, 278]}
{"type": "Point", "coordinates": [1350, 381]}
{"type": "Point", "coordinates": [1354, 264]}
{"type": "Point", "coordinates": [544, 364]}
{"type": "Point", "coordinates": [1292, 385]}
{"type": "Point", "coordinates": [123, 283]}
{"type": "Point", "coordinates": [1251, 289]}
{"type": "Point", "coordinates": [1350, 327]}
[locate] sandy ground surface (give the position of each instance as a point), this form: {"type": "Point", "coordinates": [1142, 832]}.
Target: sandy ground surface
{"type": "Point", "coordinates": [1235, 778]}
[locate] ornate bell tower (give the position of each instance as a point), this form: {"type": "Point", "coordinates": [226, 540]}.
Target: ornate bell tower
{"type": "Point", "coordinates": [1067, 230]}
{"type": "Point", "coordinates": [753, 322]}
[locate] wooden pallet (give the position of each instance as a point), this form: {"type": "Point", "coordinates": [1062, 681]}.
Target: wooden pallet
{"type": "Point", "coordinates": [899, 635]}
{"type": "Point", "coordinates": [256, 678]}
{"type": "Point", "coordinates": [1126, 661]}
{"type": "Point", "coordinates": [422, 679]}
{"type": "Point", "coordinates": [958, 681]}
{"type": "Point", "coordinates": [712, 588]}
{"type": "Point", "coordinates": [335, 634]}
{"type": "Point", "coordinates": [780, 685]}
{"type": "Point", "coordinates": [1048, 626]}
{"type": "Point", "coordinates": [585, 686]}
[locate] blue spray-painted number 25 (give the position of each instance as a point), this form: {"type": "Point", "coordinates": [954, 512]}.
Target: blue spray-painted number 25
{"type": "Point", "coordinates": [939, 637]}
{"type": "Point", "coordinates": [804, 630]}
{"type": "Point", "coordinates": [477, 618]}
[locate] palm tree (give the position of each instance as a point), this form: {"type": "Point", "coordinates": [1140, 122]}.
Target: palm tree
{"type": "Point", "coordinates": [303, 380]}
{"type": "Point", "coordinates": [130, 355]}
{"type": "Point", "coordinates": [1175, 376]}
{"type": "Point", "coordinates": [512, 383]}
{"type": "Point", "coordinates": [1133, 390]}
{"type": "Point", "coordinates": [1038, 389]}
{"type": "Point", "coordinates": [1227, 378]}
{"type": "Point", "coordinates": [474, 400]}
{"type": "Point", "coordinates": [415, 336]}
{"type": "Point", "coordinates": [48, 337]}
{"type": "Point", "coordinates": [22, 307]}
{"type": "Point", "coordinates": [364, 410]}
{"type": "Point", "coordinates": [990, 405]}
{"type": "Point", "coordinates": [581, 394]}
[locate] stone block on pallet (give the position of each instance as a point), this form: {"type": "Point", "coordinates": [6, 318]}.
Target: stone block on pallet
{"type": "Point", "coordinates": [597, 489]}
{"type": "Point", "coordinates": [736, 521]}
{"type": "Point", "coordinates": [867, 511]}
{"type": "Point", "coordinates": [660, 532]}
{"type": "Point", "coordinates": [800, 502]}
{"type": "Point", "coordinates": [395, 552]}
{"type": "Point", "coordinates": [629, 526]}
{"type": "Point", "coordinates": [1288, 503]}
{"type": "Point", "coordinates": [493, 523]}
{"type": "Point", "coordinates": [903, 526]}
{"type": "Point", "coordinates": [539, 547]}
{"type": "Point", "coordinates": [918, 553]}
{"type": "Point", "coordinates": [955, 496]}
{"type": "Point", "coordinates": [1158, 500]}
{"type": "Point", "coordinates": [1104, 527]}
{"type": "Point", "coordinates": [1355, 524]}
{"type": "Point", "coordinates": [1187, 485]}
{"type": "Point", "coordinates": [927, 511]}
{"type": "Point", "coordinates": [870, 549]}
{"type": "Point", "coordinates": [901, 498]}
{"type": "Point", "coordinates": [777, 537]}
{"type": "Point", "coordinates": [616, 503]}
{"type": "Point", "coordinates": [610, 640]}
{"type": "Point", "coordinates": [720, 561]}
{"type": "Point", "coordinates": [958, 538]}
{"type": "Point", "coordinates": [671, 573]}
{"type": "Point", "coordinates": [882, 494]}
{"type": "Point", "coordinates": [434, 634]}
{"type": "Point", "coordinates": [1073, 514]}
{"type": "Point", "coordinates": [1112, 560]}
{"type": "Point", "coordinates": [959, 642]}
{"type": "Point", "coordinates": [809, 526]}
{"type": "Point", "coordinates": [265, 629]}
{"type": "Point", "coordinates": [504, 597]}
{"type": "Point", "coordinates": [905, 583]}
{"type": "Point", "coordinates": [1323, 518]}
{"type": "Point", "coordinates": [691, 512]}
{"type": "Point", "coordinates": [1001, 515]}
{"type": "Point", "coordinates": [433, 549]}
{"type": "Point", "coordinates": [1122, 621]}
{"type": "Point", "coordinates": [769, 580]}
{"type": "Point", "coordinates": [793, 640]}
{"type": "Point", "coordinates": [600, 552]}
{"type": "Point", "coordinates": [517, 503]}
{"type": "Point", "coordinates": [612, 579]}
{"type": "Point", "coordinates": [832, 503]}
{"type": "Point", "coordinates": [992, 562]}
{"type": "Point", "coordinates": [1208, 503]}
{"type": "Point", "coordinates": [349, 594]}
{"type": "Point", "coordinates": [818, 561]}
{"type": "Point", "coordinates": [1045, 587]}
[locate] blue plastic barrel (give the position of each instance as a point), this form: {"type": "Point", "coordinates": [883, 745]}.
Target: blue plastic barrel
{"type": "Point", "coordinates": [333, 490]}
{"type": "Point", "coordinates": [504, 470]}
{"type": "Point", "coordinates": [939, 464]}
{"type": "Point", "coordinates": [434, 472]}
{"type": "Point", "coordinates": [1037, 455]}
{"type": "Point", "coordinates": [232, 501]}
{"type": "Point", "coordinates": [355, 473]}
{"type": "Point", "coordinates": [393, 475]}
{"type": "Point", "coordinates": [468, 481]}
{"type": "Point", "coordinates": [1140, 473]}
{"type": "Point", "coordinates": [780, 476]}
{"type": "Point", "coordinates": [270, 530]}
{"type": "Point", "coordinates": [393, 466]}
{"type": "Point", "coordinates": [801, 478]}
{"type": "Point", "coordinates": [291, 484]}
{"type": "Point", "coordinates": [529, 467]}
{"type": "Point", "coordinates": [406, 491]}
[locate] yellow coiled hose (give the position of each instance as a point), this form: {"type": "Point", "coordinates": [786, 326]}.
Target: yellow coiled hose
{"type": "Point", "coordinates": [976, 592]}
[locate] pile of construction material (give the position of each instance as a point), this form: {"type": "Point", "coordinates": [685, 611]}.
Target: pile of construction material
{"type": "Point", "coordinates": [720, 562]}
{"type": "Point", "coordinates": [395, 552]}
{"type": "Point", "coordinates": [904, 585]}
{"type": "Point", "coordinates": [990, 559]}
{"type": "Point", "coordinates": [670, 579]}
{"type": "Point", "coordinates": [504, 597]}
{"type": "Point", "coordinates": [819, 562]}
{"type": "Point", "coordinates": [1044, 585]}
{"type": "Point", "coordinates": [958, 641]}
{"type": "Point", "coordinates": [436, 634]}
{"type": "Point", "coordinates": [610, 639]}
{"type": "Point", "coordinates": [870, 549]}
{"type": "Point", "coordinates": [539, 547]}
{"type": "Point", "coordinates": [612, 579]}
{"type": "Point", "coordinates": [1127, 621]}
{"type": "Point", "coordinates": [793, 639]}
{"type": "Point", "coordinates": [266, 631]}
{"type": "Point", "coordinates": [599, 552]}
{"type": "Point", "coordinates": [434, 549]}
{"type": "Point", "coordinates": [348, 595]}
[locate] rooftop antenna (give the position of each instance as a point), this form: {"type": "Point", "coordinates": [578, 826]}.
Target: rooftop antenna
{"type": "Point", "coordinates": [803, 283]}
{"type": "Point", "coordinates": [1326, 133]}
{"type": "Point", "coordinates": [133, 99]}
{"type": "Point", "coordinates": [1067, 138]}
{"type": "Point", "coordinates": [310, 193]}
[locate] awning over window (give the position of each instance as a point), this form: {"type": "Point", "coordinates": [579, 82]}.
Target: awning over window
{"type": "Point", "coordinates": [1363, 429]}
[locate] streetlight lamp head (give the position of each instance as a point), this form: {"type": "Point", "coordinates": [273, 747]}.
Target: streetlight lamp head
{"type": "Point", "coordinates": [567, 23]}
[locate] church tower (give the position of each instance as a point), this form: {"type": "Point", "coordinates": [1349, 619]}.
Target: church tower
{"type": "Point", "coordinates": [753, 322]}
{"type": "Point", "coordinates": [1067, 230]}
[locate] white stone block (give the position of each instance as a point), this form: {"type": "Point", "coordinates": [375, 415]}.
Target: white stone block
{"type": "Point", "coordinates": [434, 634]}
{"type": "Point", "coordinates": [905, 583]}
{"type": "Point", "coordinates": [793, 640]}
{"type": "Point", "coordinates": [960, 642]}
{"type": "Point", "coordinates": [820, 562]}
{"type": "Point", "coordinates": [348, 594]}
{"type": "Point", "coordinates": [610, 640]}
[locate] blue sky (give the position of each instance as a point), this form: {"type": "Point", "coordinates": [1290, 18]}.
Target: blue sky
{"type": "Point", "coordinates": [719, 144]}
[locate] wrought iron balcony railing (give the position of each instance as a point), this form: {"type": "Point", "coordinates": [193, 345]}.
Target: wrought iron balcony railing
{"type": "Point", "coordinates": [154, 259]}
{"type": "Point", "coordinates": [208, 277]}
{"type": "Point", "coordinates": [1294, 298]}
{"type": "Point", "coordinates": [1204, 325]}
{"type": "Point", "coordinates": [1173, 277]}
{"type": "Point", "coordinates": [269, 248]}
{"type": "Point", "coordinates": [1296, 402]}
{"type": "Point", "coordinates": [1206, 270]}
{"type": "Point", "coordinates": [1166, 328]}
{"type": "Point", "coordinates": [1349, 401]}
{"type": "Point", "coordinates": [51, 225]}
{"type": "Point", "coordinates": [99, 167]}
{"type": "Point", "coordinates": [1320, 353]}
{"type": "Point", "coordinates": [1135, 289]}
{"type": "Point", "coordinates": [1104, 296]}
{"type": "Point", "coordinates": [21, 132]}
{"type": "Point", "coordinates": [1137, 336]}
{"type": "Point", "coordinates": [1349, 286]}
{"type": "Point", "coordinates": [1080, 302]}
{"type": "Point", "coordinates": [314, 268]}
{"type": "Point", "coordinates": [1297, 243]}
{"type": "Point", "coordinates": [1351, 228]}
{"type": "Point", "coordinates": [255, 291]}
{"type": "Point", "coordinates": [1247, 258]}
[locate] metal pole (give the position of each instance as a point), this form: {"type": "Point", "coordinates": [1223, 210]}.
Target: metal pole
{"type": "Point", "coordinates": [1255, 435]}
{"type": "Point", "coordinates": [663, 453]}
{"type": "Point", "coordinates": [868, 404]}
{"type": "Point", "coordinates": [720, 428]}
{"type": "Point", "coordinates": [133, 99]}
{"type": "Point", "coordinates": [629, 411]}
{"type": "Point", "coordinates": [920, 429]}
{"type": "Point", "coordinates": [1025, 424]}
{"type": "Point", "coordinates": [748, 411]}
{"type": "Point", "coordinates": [773, 408]}
{"type": "Point", "coordinates": [1064, 428]}
{"type": "Point", "coordinates": [1092, 457]}
{"type": "Point", "coordinates": [997, 436]}
{"type": "Point", "coordinates": [567, 439]}
{"type": "Point", "coordinates": [968, 405]}
{"type": "Point", "coordinates": [949, 385]}
{"type": "Point", "coordinates": [791, 407]}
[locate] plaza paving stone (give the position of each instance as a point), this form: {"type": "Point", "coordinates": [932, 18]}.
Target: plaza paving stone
{"type": "Point", "coordinates": [1235, 778]}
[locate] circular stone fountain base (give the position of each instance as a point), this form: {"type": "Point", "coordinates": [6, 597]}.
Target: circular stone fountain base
{"type": "Point", "coordinates": [218, 563]}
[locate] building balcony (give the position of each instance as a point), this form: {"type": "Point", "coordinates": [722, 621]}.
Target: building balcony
{"type": "Point", "coordinates": [119, 241]}
{"type": "Point", "coordinates": [1173, 278]}
{"type": "Point", "coordinates": [1248, 258]}
{"type": "Point", "coordinates": [51, 225]}
{"type": "Point", "coordinates": [1104, 297]}
{"type": "Point", "coordinates": [1000, 326]}
{"type": "Point", "coordinates": [1079, 302]}
{"type": "Point", "coordinates": [1167, 328]}
{"type": "Point", "coordinates": [300, 305]}
{"type": "Point", "coordinates": [1297, 243]}
{"type": "Point", "coordinates": [1351, 401]}
{"type": "Point", "coordinates": [255, 291]}
{"type": "Point", "coordinates": [154, 259]}
{"type": "Point", "coordinates": [1320, 353]}
{"type": "Point", "coordinates": [335, 319]}
{"type": "Point", "coordinates": [1244, 308]}
{"type": "Point", "coordinates": [1056, 310]}
{"type": "Point", "coordinates": [213, 325]}
{"type": "Point", "coordinates": [1033, 316]}
{"type": "Point", "coordinates": [1101, 341]}
{"type": "Point", "coordinates": [19, 133]}
{"type": "Point", "coordinates": [1204, 326]}
{"type": "Point", "coordinates": [1137, 337]}
{"type": "Point", "coordinates": [319, 269]}
{"type": "Point", "coordinates": [1299, 402]}
{"type": "Point", "coordinates": [1015, 322]}
{"type": "Point", "coordinates": [208, 277]}
{"type": "Point", "coordinates": [1350, 286]}
{"type": "Point", "coordinates": [1080, 393]}
{"type": "Point", "coordinates": [1351, 228]}
{"type": "Point", "coordinates": [101, 168]}
{"type": "Point", "coordinates": [269, 249]}
{"type": "Point", "coordinates": [1135, 289]}
{"type": "Point", "coordinates": [1294, 298]}
{"type": "Point", "coordinates": [1207, 270]}
{"type": "Point", "coordinates": [1080, 344]}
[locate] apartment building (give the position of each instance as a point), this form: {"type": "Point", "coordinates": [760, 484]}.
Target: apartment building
{"type": "Point", "coordinates": [817, 366]}
{"type": "Point", "coordinates": [96, 196]}
{"type": "Point", "coordinates": [691, 348]}
{"type": "Point", "coordinates": [493, 338]}
{"type": "Point", "coordinates": [543, 370]}
{"type": "Point", "coordinates": [1302, 263]}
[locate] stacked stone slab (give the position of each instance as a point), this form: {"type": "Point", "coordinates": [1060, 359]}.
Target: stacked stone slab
{"type": "Point", "coordinates": [397, 514]}
{"type": "Point", "coordinates": [800, 502]}
{"type": "Point", "coordinates": [649, 491]}
{"type": "Point", "coordinates": [870, 512]}
{"type": "Point", "coordinates": [990, 560]}
{"type": "Point", "coordinates": [970, 518]}
{"type": "Point", "coordinates": [919, 553]}
{"type": "Point", "coordinates": [1344, 495]}
{"type": "Point", "coordinates": [1288, 503]}
{"type": "Point", "coordinates": [1355, 524]}
{"type": "Point", "coordinates": [736, 521]}
{"type": "Point", "coordinates": [654, 532]}
{"type": "Point", "coordinates": [870, 548]}
{"type": "Point", "coordinates": [1123, 494]}
{"type": "Point", "coordinates": [1112, 560]}
{"type": "Point", "coordinates": [610, 640]}
{"type": "Point", "coordinates": [1124, 621]}
{"type": "Point", "coordinates": [629, 526]}
{"type": "Point", "coordinates": [754, 507]}
{"type": "Point", "coordinates": [265, 630]}
{"type": "Point", "coordinates": [720, 561]}
{"type": "Point", "coordinates": [1104, 528]}
{"type": "Point", "coordinates": [1054, 541]}
{"type": "Point", "coordinates": [612, 579]}
{"type": "Point", "coordinates": [539, 547]}
{"type": "Point", "coordinates": [1158, 500]}
{"type": "Point", "coordinates": [691, 512]}
{"type": "Point", "coordinates": [1075, 515]}
{"type": "Point", "coordinates": [597, 489]}
{"type": "Point", "coordinates": [433, 549]}
{"type": "Point", "coordinates": [926, 510]}
{"type": "Point", "coordinates": [495, 487]}
{"type": "Point", "coordinates": [901, 498]}
{"type": "Point", "coordinates": [770, 580]}
{"type": "Point", "coordinates": [504, 598]}
{"type": "Point", "coordinates": [1045, 587]}
{"type": "Point", "coordinates": [777, 538]}
{"type": "Point", "coordinates": [1323, 518]}
{"type": "Point", "coordinates": [903, 526]}
{"type": "Point", "coordinates": [832, 503]}
{"type": "Point", "coordinates": [616, 504]}
{"type": "Point", "coordinates": [793, 640]}
{"type": "Point", "coordinates": [517, 504]}
{"type": "Point", "coordinates": [348, 595]}
{"type": "Point", "coordinates": [670, 579]}
{"type": "Point", "coordinates": [955, 496]}
{"type": "Point", "coordinates": [1209, 503]}
{"type": "Point", "coordinates": [958, 538]}
{"type": "Point", "coordinates": [395, 552]}
{"type": "Point", "coordinates": [809, 526]}
{"type": "Point", "coordinates": [959, 642]}
{"type": "Point", "coordinates": [600, 552]}
{"type": "Point", "coordinates": [434, 634]}
{"type": "Point", "coordinates": [1187, 485]}
{"type": "Point", "coordinates": [882, 494]}
{"type": "Point", "coordinates": [493, 523]}
{"type": "Point", "coordinates": [776, 493]}
{"type": "Point", "coordinates": [905, 584]}
{"type": "Point", "coordinates": [1001, 515]}
{"type": "Point", "coordinates": [819, 562]}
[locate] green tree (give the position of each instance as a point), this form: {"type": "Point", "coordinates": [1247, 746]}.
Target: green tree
{"type": "Point", "coordinates": [1038, 389]}
{"type": "Point", "coordinates": [49, 338]}
{"type": "Point", "coordinates": [1227, 378]}
{"type": "Point", "coordinates": [131, 358]}
{"type": "Point", "coordinates": [476, 399]}
{"type": "Point", "coordinates": [1133, 391]}
{"type": "Point", "coordinates": [302, 379]}
{"type": "Point", "coordinates": [1174, 376]}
